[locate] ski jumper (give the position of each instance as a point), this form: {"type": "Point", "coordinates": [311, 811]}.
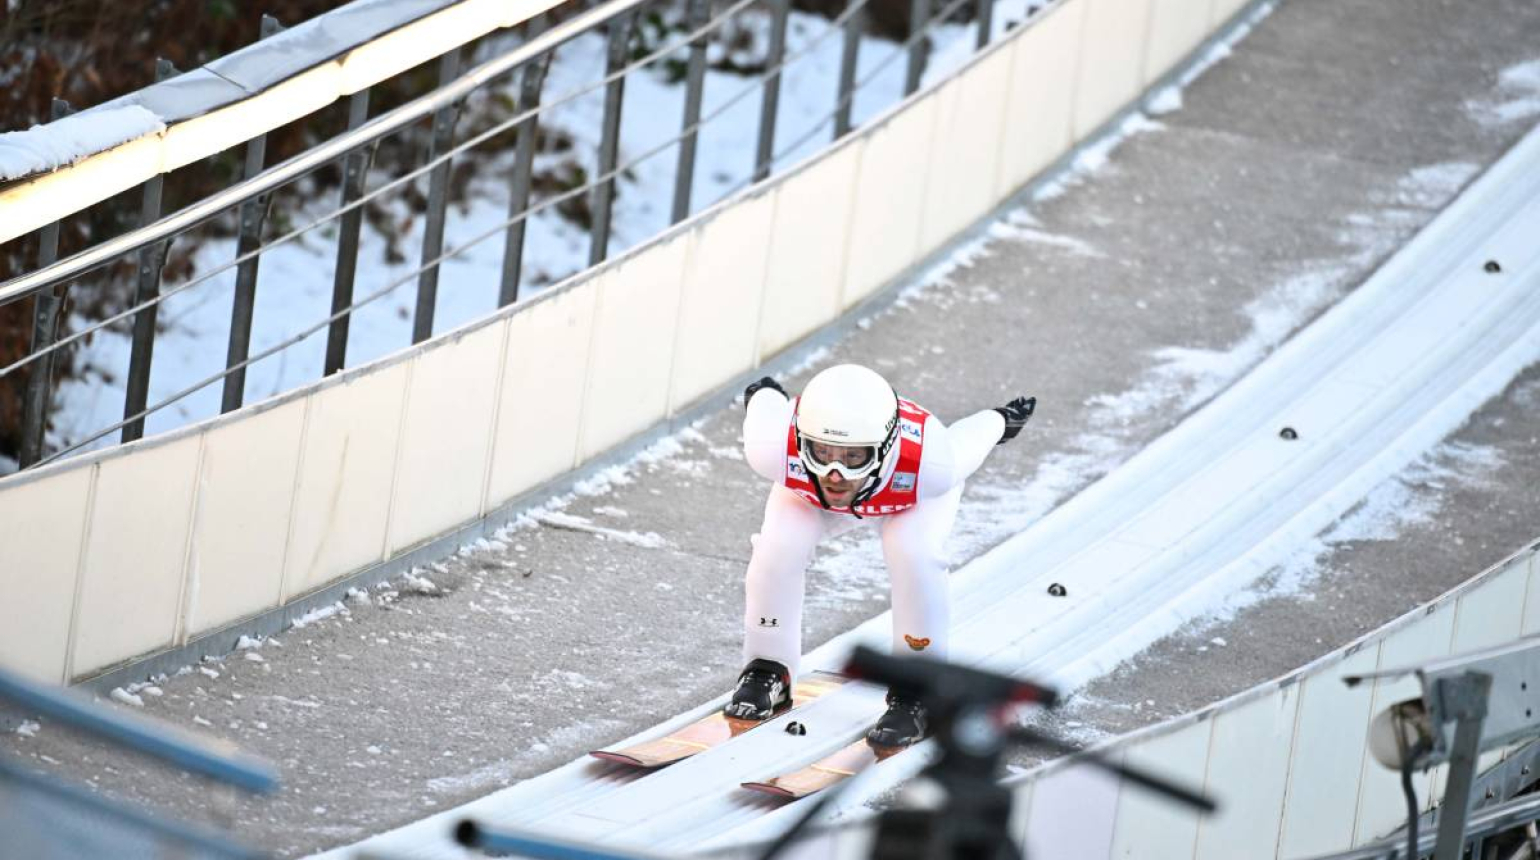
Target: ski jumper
{"type": "Point", "coordinates": [916, 504]}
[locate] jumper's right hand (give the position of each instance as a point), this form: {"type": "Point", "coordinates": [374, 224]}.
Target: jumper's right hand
{"type": "Point", "coordinates": [754, 387]}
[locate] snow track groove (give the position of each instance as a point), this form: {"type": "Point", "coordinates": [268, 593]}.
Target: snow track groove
{"type": "Point", "coordinates": [1203, 511]}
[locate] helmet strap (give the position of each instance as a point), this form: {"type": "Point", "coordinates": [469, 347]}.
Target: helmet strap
{"type": "Point", "coordinates": [818, 488]}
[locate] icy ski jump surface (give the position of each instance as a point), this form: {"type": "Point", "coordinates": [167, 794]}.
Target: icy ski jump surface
{"type": "Point", "coordinates": [1382, 377]}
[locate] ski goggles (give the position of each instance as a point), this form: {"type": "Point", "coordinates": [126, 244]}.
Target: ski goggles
{"type": "Point", "coordinates": [853, 461]}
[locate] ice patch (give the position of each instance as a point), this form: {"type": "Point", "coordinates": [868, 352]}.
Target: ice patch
{"type": "Point", "coordinates": [319, 614]}
{"type": "Point", "coordinates": [1006, 230]}
{"type": "Point", "coordinates": [124, 697]}
{"type": "Point", "coordinates": [1168, 100]}
{"type": "Point", "coordinates": [571, 522]}
{"type": "Point", "coordinates": [1517, 97]}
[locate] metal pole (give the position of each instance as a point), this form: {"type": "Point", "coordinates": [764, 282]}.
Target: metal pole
{"type": "Point", "coordinates": [152, 258]}
{"type": "Point", "coordinates": [45, 330]}
{"type": "Point", "coordinates": [1465, 699]}
{"type": "Point", "coordinates": [253, 217]}
{"type": "Point", "coordinates": [848, 55]}
{"type": "Point", "coordinates": [609, 141]}
{"type": "Point", "coordinates": [531, 80]}
{"type": "Point", "coordinates": [985, 12]}
{"type": "Point", "coordinates": [919, 17]}
{"type": "Point", "coordinates": [355, 167]}
{"type": "Point", "coordinates": [438, 202]}
{"type": "Point", "coordinates": [698, 13]}
{"type": "Point", "coordinates": [779, 10]}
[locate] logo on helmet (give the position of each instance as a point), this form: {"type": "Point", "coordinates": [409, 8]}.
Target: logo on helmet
{"type": "Point", "coordinates": [917, 644]}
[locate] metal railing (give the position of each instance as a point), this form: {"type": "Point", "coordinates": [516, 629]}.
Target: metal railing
{"type": "Point", "coordinates": [42, 816]}
{"type": "Point", "coordinates": [251, 196]}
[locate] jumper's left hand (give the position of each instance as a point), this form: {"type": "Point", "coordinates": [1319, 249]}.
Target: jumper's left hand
{"type": "Point", "coordinates": [1016, 414]}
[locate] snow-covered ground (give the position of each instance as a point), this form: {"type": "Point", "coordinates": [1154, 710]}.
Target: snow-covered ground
{"type": "Point", "coordinates": [295, 279]}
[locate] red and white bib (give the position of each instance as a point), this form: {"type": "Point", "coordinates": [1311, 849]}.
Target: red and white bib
{"type": "Point", "coordinates": [898, 493]}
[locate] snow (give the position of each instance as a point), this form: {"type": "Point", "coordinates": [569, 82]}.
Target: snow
{"type": "Point", "coordinates": [124, 697]}
{"type": "Point", "coordinates": [572, 522]}
{"type": "Point", "coordinates": [29, 728]}
{"type": "Point", "coordinates": [1518, 97]}
{"type": "Point", "coordinates": [43, 148]}
{"type": "Point", "coordinates": [318, 614]}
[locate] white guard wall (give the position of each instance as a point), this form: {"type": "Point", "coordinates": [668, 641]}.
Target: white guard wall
{"type": "Point", "coordinates": [1288, 761]}
{"type": "Point", "coordinates": [119, 555]}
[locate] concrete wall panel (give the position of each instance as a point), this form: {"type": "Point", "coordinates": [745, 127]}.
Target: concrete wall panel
{"type": "Point", "coordinates": [539, 411]}
{"type": "Point", "coordinates": [241, 519]}
{"type": "Point", "coordinates": [135, 552]}
{"type": "Point", "coordinates": [1040, 107]}
{"type": "Point", "coordinates": [1249, 787]}
{"type": "Point", "coordinates": [1531, 622]}
{"type": "Point", "coordinates": [964, 162]}
{"type": "Point", "coordinates": [39, 563]}
{"type": "Point", "coordinates": [1381, 806]}
{"type": "Point", "coordinates": [1071, 815]}
{"type": "Point", "coordinates": [1176, 28]}
{"type": "Point", "coordinates": [1111, 60]}
{"type": "Point", "coordinates": [1323, 782]}
{"type": "Point", "coordinates": [446, 436]}
{"type": "Point", "coordinates": [347, 468]}
{"type": "Point", "coordinates": [889, 200]}
{"type": "Point", "coordinates": [1492, 614]}
{"type": "Point", "coordinates": [633, 346]}
{"type": "Point", "coordinates": [1148, 825]}
{"type": "Point", "coordinates": [724, 281]}
{"type": "Point", "coordinates": [1223, 11]}
{"type": "Point", "coordinates": [1021, 812]}
{"type": "Point", "coordinates": [807, 250]}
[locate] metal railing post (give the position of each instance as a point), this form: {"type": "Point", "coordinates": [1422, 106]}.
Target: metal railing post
{"type": "Point", "coordinates": [253, 217]}
{"type": "Point", "coordinates": [1465, 700]}
{"type": "Point", "coordinates": [355, 168]}
{"type": "Point", "coordinates": [919, 17]}
{"type": "Point", "coordinates": [438, 202]}
{"type": "Point", "coordinates": [609, 142]}
{"type": "Point", "coordinates": [45, 330]}
{"type": "Point", "coordinates": [152, 259]}
{"type": "Point", "coordinates": [985, 12]}
{"type": "Point", "coordinates": [531, 80]}
{"type": "Point", "coordinates": [765, 152]}
{"type": "Point", "coordinates": [848, 55]}
{"type": "Point", "coordinates": [697, 14]}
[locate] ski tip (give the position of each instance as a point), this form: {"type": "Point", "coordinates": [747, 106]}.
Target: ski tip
{"type": "Point", "coordinates": [618, 758]}
{"type": "Point", "coordinates": [767, 788]}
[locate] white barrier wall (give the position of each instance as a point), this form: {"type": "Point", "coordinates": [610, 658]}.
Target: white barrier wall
{"type": "Point", "coordinates": [122, 554]}
{"type": "Point", "coordinates": [1288, 761]}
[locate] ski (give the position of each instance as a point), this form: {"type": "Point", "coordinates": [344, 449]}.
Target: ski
{"type": "Point", "coordinates": [712, 730]}
{"type": "Point", "coordinates": [825, 772]}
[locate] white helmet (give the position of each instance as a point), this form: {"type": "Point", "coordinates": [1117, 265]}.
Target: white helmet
{"type": "Point", "coordinates": [853, 407]}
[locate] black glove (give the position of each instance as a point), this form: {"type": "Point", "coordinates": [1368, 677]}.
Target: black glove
{"type": "Point", "coordinates": [764, 382]}
{"type": "Point", "coordinates": [1016, 414]}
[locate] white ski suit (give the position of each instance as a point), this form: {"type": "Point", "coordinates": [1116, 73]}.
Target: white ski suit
{"type": "Point", "coordinates": [911, 540]}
